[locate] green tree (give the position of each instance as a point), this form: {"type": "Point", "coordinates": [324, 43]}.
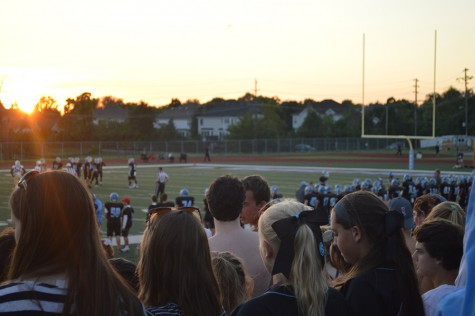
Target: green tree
{"type": "Point", "coordinates": [46, 118]}
{"type": "Point", "coordinates": [77, 123]}
{"type": "Point", "coordinates": [168, 132]}
{"type": "Point", "coordinates": [140, 121]}
{"type": "Point", "coordinates": [311, 126]}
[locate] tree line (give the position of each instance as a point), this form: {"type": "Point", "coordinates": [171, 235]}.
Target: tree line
{"type": "Point", "coordinates": [272, 119]}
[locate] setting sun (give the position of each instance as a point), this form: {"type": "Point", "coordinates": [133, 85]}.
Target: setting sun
{"type": "Point", "coordinates": [24, 90]}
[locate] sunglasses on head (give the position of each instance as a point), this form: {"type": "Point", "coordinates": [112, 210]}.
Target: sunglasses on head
{"type": "Point", "coordinates": [23, 182]}
{"type": "Point", "coordinates": [159, 211]}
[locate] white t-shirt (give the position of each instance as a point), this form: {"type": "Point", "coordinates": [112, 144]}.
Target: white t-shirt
{"type": "Point", "coordinates": [432, 298]}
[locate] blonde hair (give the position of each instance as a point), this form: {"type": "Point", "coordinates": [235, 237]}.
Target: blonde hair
{"type": "Point", "coordinates": [306, 276]}
{"type": "Point", "coordinates": [234, 286]}
{"type": "Point", "coordinates": [448, 210]}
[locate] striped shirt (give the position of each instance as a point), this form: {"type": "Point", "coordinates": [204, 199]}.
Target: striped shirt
{"type": "Point", "coordinates": [169, 309]}
{"type": "Point", "coordinates": [32, 298]}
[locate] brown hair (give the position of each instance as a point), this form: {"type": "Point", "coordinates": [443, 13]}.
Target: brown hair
{"type": "Point", "coordinates": [234, 286]}
{"type": "Point", "coordinates": [59, 234]}
{"type": "Point", "coordinates": [225, 197]}
{"type": "Point", "coordinates": [175, 265]}
{"type": "Point", "coordinates": [369, 213]}
{"type": "Point", "coordinates": [258, 186]}
{"type": "Point", "coordinates": [7, 245]}
{"type": "Point", "coordinates": [425, 203]}
{"type": "Point", "coordinates": [443, 240]}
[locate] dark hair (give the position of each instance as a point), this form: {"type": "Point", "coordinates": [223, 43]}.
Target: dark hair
{"type": "Point", "coordinates": [259, 187]}
{"type": "Point", "coordinates": [127, 270]}
{"type": "Point", "coordinates": [59, 234]}
{"type": "Point", "coordinates": [383, 228]}
{"type": "Point", "coordinates": [163, 197]}
{"type": "Point", "coordinates": [225, 197]}
{"type": "Point", "coordinates": [165, 276]}
{"type": "Point", "coordinates": [443, 240]}
{"type": "Point", "coordinates": [154, 198]}
{"type": "Point", "coordinates": [425, 203]}
{"type": "Point", "coordinates": [7, 244]}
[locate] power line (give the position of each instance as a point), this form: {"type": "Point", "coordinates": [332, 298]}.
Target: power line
{"type": "Point", "coordinates": [466, 79]}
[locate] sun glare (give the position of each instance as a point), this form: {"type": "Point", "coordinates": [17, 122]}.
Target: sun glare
{"type": "Point", "coordinates": [25, 91]}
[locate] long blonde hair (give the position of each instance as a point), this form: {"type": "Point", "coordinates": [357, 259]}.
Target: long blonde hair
{"type": "Point", "coordinates": [306, 277]}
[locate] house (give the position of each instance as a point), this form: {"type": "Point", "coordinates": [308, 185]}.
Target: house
{"type": "Point", "coordinates": [110, 113]}
{"type": "Point", "coordinates": [181, 116]}
{"type": "Point", "coordinates": [326, 108]}
{"type": "Point", "coordinates": [214, 122]}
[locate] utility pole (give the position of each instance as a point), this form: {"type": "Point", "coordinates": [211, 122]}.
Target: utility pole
{"type": "Point", "coordinates": [466, 79]}
{"type": "Point", "coordinates": [255, 88]}
{"type": "Point", "coordinates": [415, 105]}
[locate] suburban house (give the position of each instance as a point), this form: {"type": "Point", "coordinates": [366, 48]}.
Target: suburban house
{"type": "Point", "coordinates": [326, 108]}
{"type": "Point", "coordinates": [110, 113]}
{"type": "Point", "coordinates": [214, 122]}
{"type": "Point", "coordinates": [181, 116]}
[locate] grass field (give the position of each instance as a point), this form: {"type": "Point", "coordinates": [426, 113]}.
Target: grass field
{"type": "Point", "coordinates": [286, 171]}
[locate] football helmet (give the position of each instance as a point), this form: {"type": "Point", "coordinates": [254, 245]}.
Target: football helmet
{"type": "Point", "coordinates": [114, 197]}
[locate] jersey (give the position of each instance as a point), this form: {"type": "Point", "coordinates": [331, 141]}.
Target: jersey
{"type": "Point", "coordinates": [132, 170]}
{"type": "Point", "coordinates": [57, 165]}
{"type": "Point", "coordinates": [184, 201]}
{"type": "Point", "coordinates": [17, 171]}
{"type": "Point", "coordinates": [113, 210]}
{"type": "Point", "coordinates": [128, 210]}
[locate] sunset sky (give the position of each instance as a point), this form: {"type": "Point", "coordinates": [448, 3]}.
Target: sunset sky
{"type": "Point", "coordinates": [296, 49]}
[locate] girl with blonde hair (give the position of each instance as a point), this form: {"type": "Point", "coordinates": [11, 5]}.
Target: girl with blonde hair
{"type": "Point", "coordinates": [292, 249]}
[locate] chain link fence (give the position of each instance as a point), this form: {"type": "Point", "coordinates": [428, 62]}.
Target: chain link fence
{"type": "Point", "coordinates": [48, 150]}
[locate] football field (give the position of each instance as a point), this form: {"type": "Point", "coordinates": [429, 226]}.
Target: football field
{"type": "Point", "coordinates": [196, 177]}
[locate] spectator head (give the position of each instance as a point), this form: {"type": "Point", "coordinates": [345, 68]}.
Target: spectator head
{"type": "Point", "coordinates": [163, 197]}
{"type": "Point", "coordinates": [225, 198]}
{"type": "Point", "coordinates": [234, 286]}
{"type": "Point", "coordinates": [369, 235]}
{"type": "Point", "coordinates": [450, 211]}
{"type": "Point", "coordinates": [423, 205]}
{"type": "Point", "coordinates": [403, 206]}
{"type": "Point", "coordinates": [291, 244]}
{"type": "Point", "coordinates": [257, 195]}
{"type": "Point", "coordinates": [165, 277]}
{"type": "Point", "coordinates": [439, 244]}
{"type": "Point", "coordinates": [154, 198]}
{"type": "Point", "coordinates": [57, 233]}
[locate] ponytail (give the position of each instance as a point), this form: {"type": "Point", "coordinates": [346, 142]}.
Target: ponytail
{"type": "Point", "coordinates": [306, 274]}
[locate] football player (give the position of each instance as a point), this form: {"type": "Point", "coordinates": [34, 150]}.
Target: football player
{"type": "Point", "coordinates": [57, 164]}
{"type": "Point", "coordinates": [132, 175]}
{"type": "Point", "coordinates": [76, 164]}
{"type": "Point", "coordinates": [100, 164]}
{"type": "Point", "coordinates": [126, 222]}
{"type": "Point", "coordinates": [184, 199]}
{"type": "Point", "coordinates": [68, 168]}
{"type": "Point", "coordinates": [17, 171]}
{"type": "Point", "coordinates": [113, 211]}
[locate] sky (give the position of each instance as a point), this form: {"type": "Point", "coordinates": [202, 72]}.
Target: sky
{"type": "Point", "coordinates": [154, 51]}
